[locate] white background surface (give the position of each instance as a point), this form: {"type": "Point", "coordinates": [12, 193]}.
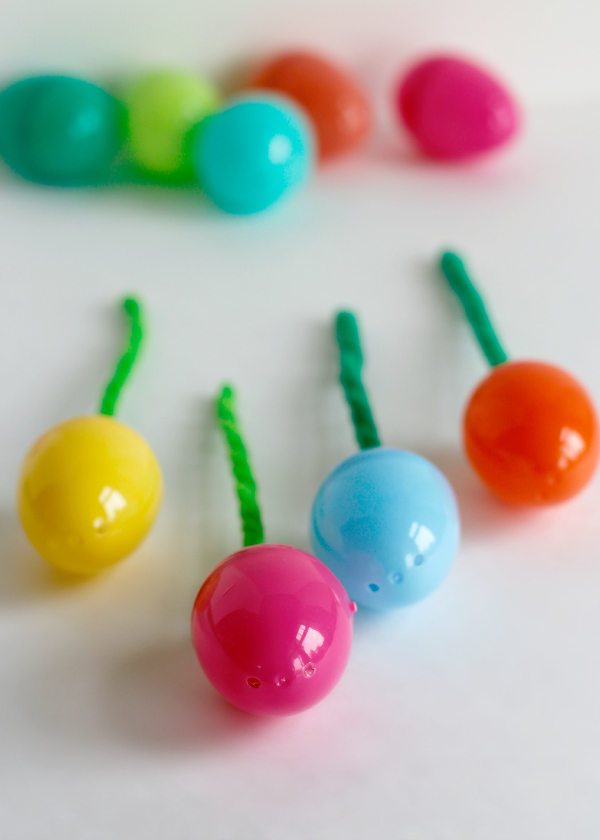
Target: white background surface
{"type": "Point", "coordinates": [473, 716]}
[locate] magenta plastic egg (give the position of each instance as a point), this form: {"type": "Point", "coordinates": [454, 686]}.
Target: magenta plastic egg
{"type": "Point", "coordinates": [454, 109]}
{"type": "Point", "coordinates": [272, 628]}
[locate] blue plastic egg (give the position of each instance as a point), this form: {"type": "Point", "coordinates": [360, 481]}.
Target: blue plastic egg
{"type": "Point", "coordinates": [251, 153]}
{"type": "Point", "coordinates": [59, 130]}
{"type": "Point", "coordinates": [386, 523]}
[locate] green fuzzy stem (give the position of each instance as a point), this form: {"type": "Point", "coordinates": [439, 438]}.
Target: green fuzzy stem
{"type": "Point", "coordinates": [460, 283]}
{"type": "Point", "coordinates": [123, 369]}
{"type": "Point", "coordinates": [351, 361]}
{"type": "Point", "coordinates": [245, 484]}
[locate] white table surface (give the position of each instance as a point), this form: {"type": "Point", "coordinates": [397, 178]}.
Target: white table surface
{"type": "Point", "coordinates": [472, 716]}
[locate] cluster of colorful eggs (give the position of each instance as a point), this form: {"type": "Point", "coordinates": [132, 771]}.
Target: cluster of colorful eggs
{"type": "Point", "coordinates": [245, 153]}
{"type": "Point", "coordinates": [272, 625]}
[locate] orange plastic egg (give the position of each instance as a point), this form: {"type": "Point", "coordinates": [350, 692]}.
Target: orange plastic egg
{"type": "Point", "coordinates": [338, 107]}
{"type": "Point", "coordinates": [531, 433]}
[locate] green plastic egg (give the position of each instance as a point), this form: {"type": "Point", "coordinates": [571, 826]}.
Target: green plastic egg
{"type": "Point", "coordinates": [162, 108]}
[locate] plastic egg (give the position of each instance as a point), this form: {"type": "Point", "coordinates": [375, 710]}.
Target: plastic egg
{"type": "Point", "coordinates": [454, 109]}
{"type": "Point", "coordinates": [162, 108]}
{"type": "Point", "coordinates": [386, 523]}
{"type": "Point", "coordinates": [336, 104]}
{"type": "Point", "coordinates": [89, 491]}
{"type": "Point", "coordinates": [272, 628]}
{"type": "Point", "coordinates": [59, 130]}
{"type": "Point", "coordinates": [250, 154]}
{"type": "Point", "coordinates": [531, 433]}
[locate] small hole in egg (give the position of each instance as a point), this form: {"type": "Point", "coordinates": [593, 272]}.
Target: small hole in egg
{"type": "Point", "coordinates": [100, 526]}
{"type": "Point", "coordinates": [373, 587]}
{"type": "Point", "coordinates": [253, 682]}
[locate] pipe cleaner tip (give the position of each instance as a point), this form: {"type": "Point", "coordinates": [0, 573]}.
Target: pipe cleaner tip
{"type": "Point", "coordinates": [448, 258]}
{"type": "Point", "coordinates": [224, 400]}
{"type": "Point", "coordinates": [345, 315]}
{"type": "Point", "coordinates": [346, 321]}
{"type": "Point", "coordinates": [132, 306]}
{"type": "Point", "coordinates": [347, 333]}
{"type": "Point", "coordinates": [453, 268]}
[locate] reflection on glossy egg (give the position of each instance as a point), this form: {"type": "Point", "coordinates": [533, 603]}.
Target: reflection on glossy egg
{"type": "Point", "coordinates": [386, 523]}
{"type": "Point", "coordinates": [272, 628]}
{"type": "Point", "coordinates": [89, 491]}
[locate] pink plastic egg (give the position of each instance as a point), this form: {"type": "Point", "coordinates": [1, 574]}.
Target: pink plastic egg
{"type": "Point", "coordinates": [272, 628]}
{"type": "Point", "coordinates": [454, 109]}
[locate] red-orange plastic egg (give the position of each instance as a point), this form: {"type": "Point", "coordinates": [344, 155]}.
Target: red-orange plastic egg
{"type": "Point", "coordinates": [531, 433]}
{"type": "Point", "coordinates": [338, 107]}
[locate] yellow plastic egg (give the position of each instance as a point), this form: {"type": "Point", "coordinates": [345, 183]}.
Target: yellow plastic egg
{"type": "Point", "coordinates": [89, 491]}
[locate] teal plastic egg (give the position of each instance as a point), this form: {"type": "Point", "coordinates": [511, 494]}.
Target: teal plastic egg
{"type": "Point", "coordinates": [59, 130]}
{"type": "Point", "coordinates": [250, 154]}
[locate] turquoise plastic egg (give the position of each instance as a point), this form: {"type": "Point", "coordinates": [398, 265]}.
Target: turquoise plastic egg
{"type": "Point", "coordinates": [250, 154]}
{"type": "Point", "coordinates": [385, 521]}
{"type": "Point", "coordinates": [59, 130]}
